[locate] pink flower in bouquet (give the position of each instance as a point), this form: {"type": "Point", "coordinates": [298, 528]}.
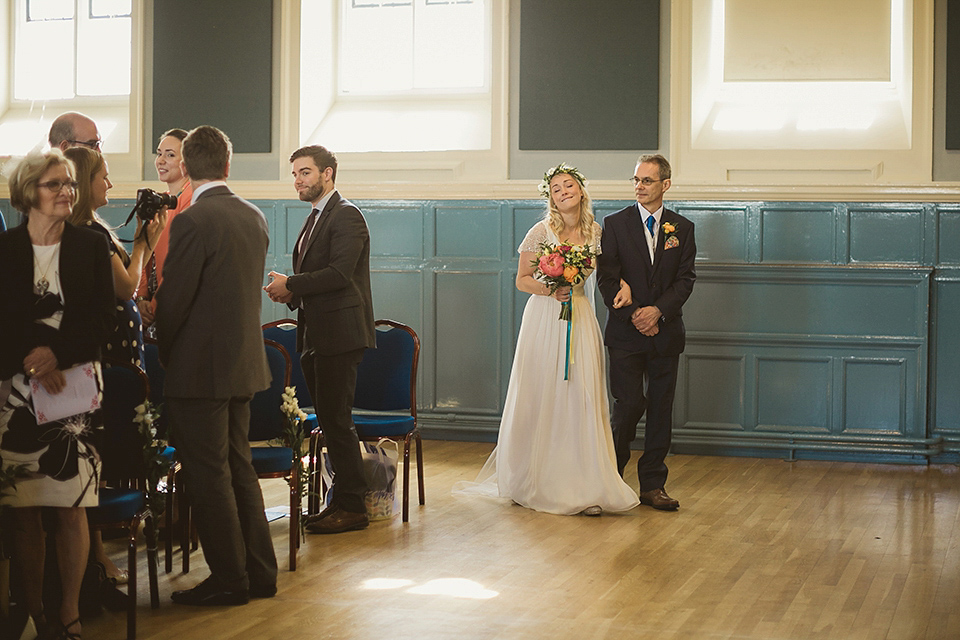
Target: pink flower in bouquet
{"type": "Point", "coordinates": [551, 265]}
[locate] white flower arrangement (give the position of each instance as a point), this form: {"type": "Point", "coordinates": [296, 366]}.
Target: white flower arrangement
{"type": "Point", "coordinates": [292, 437]}
{"type": "Point", "coordinates": [544, 186]}
{"type": "Point", "coordinates": [155, 465]}
{"type": "Point", "coordinates": [291, 407]}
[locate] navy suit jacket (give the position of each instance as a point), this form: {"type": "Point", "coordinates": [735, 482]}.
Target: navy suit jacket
{"type": "Point", "coordinates": [331, 284]}
{"type": "Point", "coordinates": [666, 283]}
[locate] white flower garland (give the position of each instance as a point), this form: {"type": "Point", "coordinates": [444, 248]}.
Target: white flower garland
{"type": "Point", "coordinates": [544, 186]}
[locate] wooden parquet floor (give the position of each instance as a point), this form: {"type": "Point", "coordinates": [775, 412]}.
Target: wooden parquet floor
{"type": "Point", "coordinates": [761, 548]}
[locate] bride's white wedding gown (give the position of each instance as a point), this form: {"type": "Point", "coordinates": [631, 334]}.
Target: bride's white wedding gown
{"type": "Point", "coordinates": [555, 448]}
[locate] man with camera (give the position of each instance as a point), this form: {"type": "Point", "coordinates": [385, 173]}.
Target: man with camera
{"type": "Point", "coordinates": [208, 328]}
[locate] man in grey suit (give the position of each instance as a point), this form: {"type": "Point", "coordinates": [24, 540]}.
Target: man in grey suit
{"type": "Point", "coordinates": [330, 289]}
{"type": "Point", "coordinates": [208, 328]}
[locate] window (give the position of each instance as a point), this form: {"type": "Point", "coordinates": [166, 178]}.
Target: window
{"type": "Point", "coordinates": [71, 55]}
{"type": "Point", "coordinates": [397, 46]}
{"type": "Point", "coordinates": [83, 47]}
{"type": "Point", "coordinates": [396, 75]}
{"type": "Point", "coordinates": [773, 94]}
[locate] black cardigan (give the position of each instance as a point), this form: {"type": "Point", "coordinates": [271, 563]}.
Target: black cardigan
{"type": "Point", "coordinates": [86, 279]}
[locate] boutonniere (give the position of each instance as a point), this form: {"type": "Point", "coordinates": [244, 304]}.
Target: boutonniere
{"type": "Point", "coordinates": [670, 236]}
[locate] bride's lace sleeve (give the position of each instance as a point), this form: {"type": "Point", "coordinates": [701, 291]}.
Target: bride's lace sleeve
{"type": "Point", "coordinates": [533, 239]}
{"type": "Point", "coordinates": [597, 233]}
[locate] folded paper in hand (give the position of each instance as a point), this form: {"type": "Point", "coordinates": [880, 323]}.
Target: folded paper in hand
{"type": "Point", "coordinates": [79, 395]}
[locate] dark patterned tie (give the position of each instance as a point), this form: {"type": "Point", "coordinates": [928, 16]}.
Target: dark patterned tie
{"type": "Point", "coordinates": [308, 231]}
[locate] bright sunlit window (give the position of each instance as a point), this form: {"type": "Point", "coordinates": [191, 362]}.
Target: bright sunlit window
{"type": "Point", "coordinates": [66, 49]}
{"type": "Point", "coordinates": [396, 75]}
{"type": "Point", "coordinates": [397, 45]}
{"type": "Point", "coordinates": [802, 94]}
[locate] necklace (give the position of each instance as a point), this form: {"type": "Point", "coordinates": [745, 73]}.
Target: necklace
{"type": "Point", "coordinates": [43, 284]}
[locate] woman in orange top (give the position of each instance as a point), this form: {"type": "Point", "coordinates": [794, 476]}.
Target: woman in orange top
{"type": "Point", "coordinates": [170, 172]}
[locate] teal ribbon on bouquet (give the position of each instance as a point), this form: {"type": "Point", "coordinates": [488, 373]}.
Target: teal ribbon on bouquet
{"type": "Point", "coordinates": [566, 313]}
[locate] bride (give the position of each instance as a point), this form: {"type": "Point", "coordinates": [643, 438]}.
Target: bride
{"type": "Point", "coordinates": [555, 448]}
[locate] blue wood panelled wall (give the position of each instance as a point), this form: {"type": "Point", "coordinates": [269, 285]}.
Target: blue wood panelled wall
{"type": "Point", "coordinates": [815, 329]}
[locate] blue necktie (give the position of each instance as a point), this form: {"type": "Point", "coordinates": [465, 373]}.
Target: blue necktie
{"type": "Point", "coordinates": [650, 222]}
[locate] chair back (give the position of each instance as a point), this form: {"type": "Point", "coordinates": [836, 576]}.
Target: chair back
{"type": "Point", "coordinates": [284, 332]}
{"type": "Point", "coordinates": [125, 386]}
{"type": "Point", "coordinates": [387, 376]}
{"type": "Point", "coordinates": [157, 375]}
{"type": "Point", "coordinates": [266, 418]}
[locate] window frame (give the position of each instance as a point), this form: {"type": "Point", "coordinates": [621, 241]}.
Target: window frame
{"type": "Point", "coordinates": [120, 118]}
{"type": "Point", "coordinates": [406, 167]}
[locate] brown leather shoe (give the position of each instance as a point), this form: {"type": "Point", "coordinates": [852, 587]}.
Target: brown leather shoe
{"type": "Point", "coordinates": [310, 519]}
{"type": "Point", "coordinates": [339, 521]}
{"type": "Point", "coordinates": [658, 499]}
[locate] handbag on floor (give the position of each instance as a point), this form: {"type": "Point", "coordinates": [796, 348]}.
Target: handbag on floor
{"type": "Point", "coordinates": [380, 470]}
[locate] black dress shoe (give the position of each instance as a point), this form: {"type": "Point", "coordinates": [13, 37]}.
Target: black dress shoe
{"type": "Point", "coordinates": [209, 594]}
{"type": "Point", "coordinates": [339, 521]}
{"type": "Point", "coordinates": [658, 499]}
{"type": "Point", "coordinates": [263, 591]}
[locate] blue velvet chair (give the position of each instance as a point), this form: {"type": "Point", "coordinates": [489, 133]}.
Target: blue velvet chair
{"type": "Point", "coordinates": [266, 423]}
{"type": "Point", "coordinates": [122, 505]}
{"type": "Point", "coordinates": [284, 332]}
{"type": "Point", "coordinates": [157, 375]}
{"type": "Point", "coordinates": [385, 404]}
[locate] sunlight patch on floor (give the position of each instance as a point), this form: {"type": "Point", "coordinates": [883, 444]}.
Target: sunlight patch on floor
{"type": "Point", "coordinates": [453, 587]}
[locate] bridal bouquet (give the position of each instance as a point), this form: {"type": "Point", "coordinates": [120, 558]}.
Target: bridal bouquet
{"type": "Point", "coordinates": [563, 265]}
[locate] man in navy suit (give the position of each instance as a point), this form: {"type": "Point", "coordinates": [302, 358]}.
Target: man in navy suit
{"type": "Point", "coordinates": [653, 250]}
{"type": "Point", "coordinates": [330, 289]}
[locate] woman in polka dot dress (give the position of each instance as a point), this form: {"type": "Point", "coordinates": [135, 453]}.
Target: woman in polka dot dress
{"type": "Point", "coordinates": [126, 341]}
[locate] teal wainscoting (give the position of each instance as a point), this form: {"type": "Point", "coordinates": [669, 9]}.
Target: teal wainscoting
{"type": "Point", "coordinates": [815, 330]}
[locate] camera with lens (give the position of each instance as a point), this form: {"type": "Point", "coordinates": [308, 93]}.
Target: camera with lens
{"type": "Point", "coordinates": [149, 202]}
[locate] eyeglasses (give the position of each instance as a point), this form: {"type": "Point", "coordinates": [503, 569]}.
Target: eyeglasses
{"type": "Point", "coordinates": [90, 144]}
{"type": "Point", "coordinates": [56, 185]}
{"type": "Point", "coordinates": [644, 181]}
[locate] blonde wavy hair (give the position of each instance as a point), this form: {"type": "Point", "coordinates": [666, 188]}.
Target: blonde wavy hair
{"type": "Point", "coordinates": [88, 163]}
{"type": "Point", "coordinates": [555, 220]}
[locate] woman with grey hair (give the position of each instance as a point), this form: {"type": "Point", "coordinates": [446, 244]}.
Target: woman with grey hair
{"type": "Point", "coordinates": [57, 290]}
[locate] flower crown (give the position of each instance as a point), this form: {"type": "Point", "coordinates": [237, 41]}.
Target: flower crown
{"type": "Point", "coordinates": [544, 186]}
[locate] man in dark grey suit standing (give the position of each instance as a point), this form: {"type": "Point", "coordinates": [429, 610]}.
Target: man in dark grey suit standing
{"type": "Point", "coordinates": [330, 289]}
{"type": "Point", "coordinates": [208, 327]}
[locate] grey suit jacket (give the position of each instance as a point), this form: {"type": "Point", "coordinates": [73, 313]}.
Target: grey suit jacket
{"type": "Point", "coordinates": [208, 305]}
{"type": "Point", "coordinates": [331, 288]}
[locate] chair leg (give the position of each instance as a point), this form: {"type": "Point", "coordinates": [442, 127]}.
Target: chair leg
{"type": "Point", "coordinates": [315, 488]}
{"type": "Point", "coordinates": [168, 520]}
{"type": "Point", "coordinates": [406, 479]}
{"type": "Point", "coordinates": [152, 563]}
{"type": "Point", "coordinates": [132, 580]}
{"type": "Point", "coordinates": [420, 468]}
{"type": "Point", "coordinates": [184, 532]}
{"type": "Point", "coordinates": [295, 508]}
